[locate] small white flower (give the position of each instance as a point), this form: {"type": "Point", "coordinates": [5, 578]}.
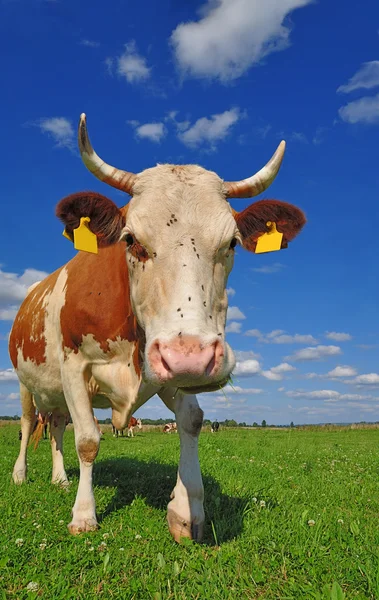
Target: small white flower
{"type": "Point", "coordinates": [138, 536]}
{"type": "Point", "coordinates": [122, 549]}
{"type": "Point", "coordinates": [42, 546]}
{"type": "Point", "coordinates": [311, 522]}
{"type": "Point", "coordinates": [19, 542]}
{"type": "Point", "coordinates": [255, 499]}
{"type": "Point", "coordinates": [32, 586]}
{"type": "Point", "coordinates": [262, 503]}
{"type": "Point", "coordinates": [105, 536]}
{"type": "Point", "coordinates": [340, 521]}
{"type": "Point", "coordinates": [91, 549]}
{"type": "Point", "coordinates": [61, 522]}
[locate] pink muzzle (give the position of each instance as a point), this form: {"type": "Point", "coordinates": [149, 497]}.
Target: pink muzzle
{"type": "Point", "coordinates": [185, 357]}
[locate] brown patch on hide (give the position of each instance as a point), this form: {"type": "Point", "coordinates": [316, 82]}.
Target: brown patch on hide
{"type": "Point", "coordinates": [87, 450]}
{"type": "Point", "coordinates": [28, 331]}
{"type": "Point", "coordinates": [252, 222]}
{"type": "Point", "coordinates": [98, 301]}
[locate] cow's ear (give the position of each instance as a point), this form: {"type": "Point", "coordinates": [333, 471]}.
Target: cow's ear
{"type": "Point", "coordinates": [252, 222]}
{"type": "Point", "coordinates": [106, 219]}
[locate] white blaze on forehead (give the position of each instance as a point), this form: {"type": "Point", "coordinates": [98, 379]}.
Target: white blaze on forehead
{"type": "Point", "coordinates": [193, 195]}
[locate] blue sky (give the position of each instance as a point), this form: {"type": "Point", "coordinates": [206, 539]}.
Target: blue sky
{"type": "Point", "coordinates": [216, 83]}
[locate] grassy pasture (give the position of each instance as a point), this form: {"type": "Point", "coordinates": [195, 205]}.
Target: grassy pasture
{"type": "Point", "coordinates": [291, 514]}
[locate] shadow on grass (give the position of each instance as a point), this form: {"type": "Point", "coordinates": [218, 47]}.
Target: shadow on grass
{"type": "Point", "coordinates": [154, 482]}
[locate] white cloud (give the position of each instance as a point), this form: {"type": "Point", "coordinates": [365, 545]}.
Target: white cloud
{"type": "Point", "coordinates": [338, 337]}
{"type": "Point", "coordinates": [236, 389]}
{"type": "Point", "coordinates": [269, 268]}
{"type": "Point", "coordinates": [364, 110]}
{"type": "Point", "coordinates": [245, 354]}
{"type": "Point", "coordinates": [328, 395]}
{"type": "Point", "coordinates": [278, 336]}
{"type": "Point", "coordinates": [231, 36]}
{"type": "Point", "coordinates": [283, 368]}
{"type": "Point", "coordinates": [366, 379]}
{"type": "Point", "coordinates": [60, 129]}
{"type": "Point", "coordinates": [7, 375]}
{"type": "Point", "coordinates": [316, 353]}
{"type": "Point", "coordinates": [276, 373]}
{"type": "Point", "coordinates": [293, 339]}
{"type": "Point", "coordinates": [269, 374]}
{"type": "Point", "coordinates": [154, 132]}
{"type": "Point", "coordinates": [233, 327]}
{"type": "Point", "coordinates": [209, 131]}
{"type": "Point", "coordinates": [8, 314]}
{"type": "Point", "coordinates": [231, 292]}
{"type": "Point", "coordinates": [89, 43]}
{"type": "Point", "coordinates": [253, 333]}
{"type": "Point", "coordinates": [13, 288]}
{"type": "Point", "coordinates": [274, 333]}
{"type": "Point", "coordinates": [342, 371]}
{"type": "Point", "coordinates": [235, 314]}
{"type": "Point", "coordinates": [367, 77]}
{"type": "Point", "coordinates": [132, 65]}
{"type": "Point", "coordinates": [246, 368]}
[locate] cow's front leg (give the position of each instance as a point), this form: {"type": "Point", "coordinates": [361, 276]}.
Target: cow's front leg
{"type": "Point", "coordinates": [185, 512]}
{"type": "Point", "coordinates": [87, 441]}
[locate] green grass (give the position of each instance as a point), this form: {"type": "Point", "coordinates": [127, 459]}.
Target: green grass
{"type": "Point", "coordinates": [262, 488]}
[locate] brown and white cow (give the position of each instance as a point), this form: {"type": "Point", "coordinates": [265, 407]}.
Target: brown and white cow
{"type": "Point", "coordinates": [133, 422]}
{"type": "Point", "coordinates": [144, 316]}
{"type": "Point", "coordinates": [170, 428]}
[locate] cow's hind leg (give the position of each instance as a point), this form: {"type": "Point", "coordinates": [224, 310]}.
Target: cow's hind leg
{"type": "Point", "coordinates": [28, 420]}
{"type": "Point", "coordinates": [87, 441]}
{"type": "Point", "coordinates": [185, 512]}
{"type": "Point", "coordinates": [57, 428]}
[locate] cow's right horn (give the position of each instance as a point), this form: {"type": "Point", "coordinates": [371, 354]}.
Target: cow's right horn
{"type": "Point", "coordinates": [122, 180]}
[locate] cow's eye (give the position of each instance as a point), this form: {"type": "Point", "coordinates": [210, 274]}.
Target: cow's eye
{"type": "Point", "coordinates": [129, 239]}
{"type": "Point", "coordinates": [233, 243]}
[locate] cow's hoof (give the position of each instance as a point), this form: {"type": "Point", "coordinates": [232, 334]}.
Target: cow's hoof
{"type": "Point", "coordinates": [181, 528]}
{"type": "Point", "coordinates": [63, 483]}
{"type": "Point", "coordinates": [82, 526]}
{"type": "Point", "coordinates": [19, 477]}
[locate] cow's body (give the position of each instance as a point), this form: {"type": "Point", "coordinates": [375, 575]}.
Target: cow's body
{"type": "Point", "coordinates": [144, 316]}
{"type": "Point", "coordinates": [215, 427]}
{"type": "Point", "coordinates": [170, 428]}
{"type": "Point", "coordinates": [133, 422]}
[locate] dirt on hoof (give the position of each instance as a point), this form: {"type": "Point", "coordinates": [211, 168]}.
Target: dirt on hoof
{"type": "Point", "coordinates": [77, 529]}
{"type": "Point", "coordinates": [180, 528]}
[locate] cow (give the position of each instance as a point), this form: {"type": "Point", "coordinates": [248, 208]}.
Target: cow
{"type": "Point", "coordinates": [215, 427]}
{"type": "Point", "coordinates": [133, 422]}
{"type": "Point", "coordinates": [170, 428]}
{"type": "Point", "coordinates": [144, 315]}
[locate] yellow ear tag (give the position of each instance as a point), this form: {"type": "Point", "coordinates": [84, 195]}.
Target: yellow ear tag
{"type": "Point", "coordinates": [84, 239]}
{"type": "Point", "coordinates": [270, 241]}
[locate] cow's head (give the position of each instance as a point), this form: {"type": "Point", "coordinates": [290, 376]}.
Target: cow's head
{"type": "Point", "coordinates": [180, 234]}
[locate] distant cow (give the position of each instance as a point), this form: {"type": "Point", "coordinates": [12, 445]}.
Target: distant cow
{"type": "Point", "coordinates": [215, 427]}
{"type": "Point", "coordinates": [170, 428]}
{"type": "Point", "coordinates": [133, 422]}
{"type": "Point", "coordinates": [142, 311]}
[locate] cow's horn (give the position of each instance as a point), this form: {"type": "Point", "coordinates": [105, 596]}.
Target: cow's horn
{"type": "Point", "coordinates": [122, 180]}
{"type": "Point", "coordinates": [246, 188]}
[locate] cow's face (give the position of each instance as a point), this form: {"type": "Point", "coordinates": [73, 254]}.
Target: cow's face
{"type": "Point", "coordinates": [180, 235]}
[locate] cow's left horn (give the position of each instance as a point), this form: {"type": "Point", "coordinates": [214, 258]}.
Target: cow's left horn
{"type": "Point", "coordinates": [122, 180]}
{"type": "Point", "coordinates": [247, 188]}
